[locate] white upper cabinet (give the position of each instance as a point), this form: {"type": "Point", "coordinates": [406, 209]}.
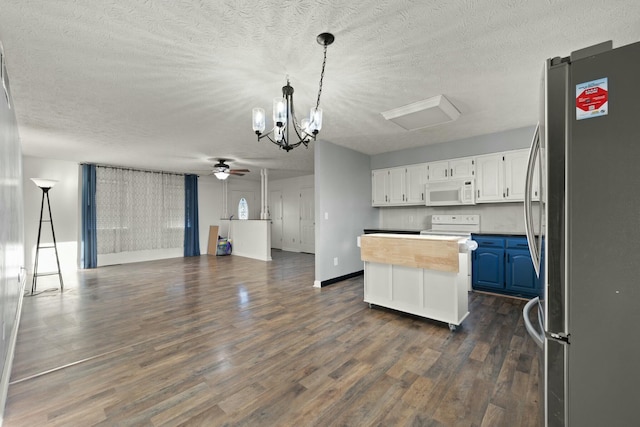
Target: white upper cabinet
{"type": "Point", "coordinates": [452, 169]}
{"type": "Point", "coordinates": [438, 171]}
{"type": "Point", "coordinates": [398, 186]}
{"type": "Point", "coordinates": [397, 183]}
{"type": "Point", "coordinates": [380, 187]}
{"type": "Point", "coordinates": [501, 177]}
{"type": "Point", "coordinates": [489, 178]}
{"type": "Point", "coordinates": [416, 178]}
{"type": "Point", "coordinates": [515, 174]}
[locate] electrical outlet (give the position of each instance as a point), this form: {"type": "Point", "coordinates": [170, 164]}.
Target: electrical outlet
{"type": "Point", "coordinates": [335, 261]}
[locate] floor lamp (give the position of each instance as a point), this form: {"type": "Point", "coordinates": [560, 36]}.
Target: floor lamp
{"type": "Point", "coordinates": [45, 185]}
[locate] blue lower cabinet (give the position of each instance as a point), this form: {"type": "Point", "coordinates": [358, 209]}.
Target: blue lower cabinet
{"type": "Point", "coordinates": [503, 265]}
{"type": "Point", "coordinates": [520, 274]}
{"type": "Point", "coordinates": [488, 268]}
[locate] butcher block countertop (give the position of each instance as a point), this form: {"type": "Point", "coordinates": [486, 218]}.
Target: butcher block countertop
{"type": "Point", "coordinates": [417, 251]}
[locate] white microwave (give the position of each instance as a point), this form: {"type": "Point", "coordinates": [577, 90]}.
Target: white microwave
{"type": "Point", "coordinates": [450, 193]}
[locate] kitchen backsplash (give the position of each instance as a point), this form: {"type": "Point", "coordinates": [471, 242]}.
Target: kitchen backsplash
{"type": "Point", "coordinates": [494, 217]}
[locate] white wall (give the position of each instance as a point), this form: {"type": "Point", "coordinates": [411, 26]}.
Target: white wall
{"type": "Point", "coordinates": [64, 198]}
{"type": "Point", "coordinates": [12, 278]}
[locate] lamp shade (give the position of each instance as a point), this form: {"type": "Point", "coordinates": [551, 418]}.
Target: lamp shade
{"type": "Point", "coordinates": [221, 175]}
{"type": "Point", "coordinates": [44, 183]}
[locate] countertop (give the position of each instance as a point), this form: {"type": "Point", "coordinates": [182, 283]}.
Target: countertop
{"type": "Point", "coordinates": [500, 233]}
{"type": "Point", "coordinates": [389, 231]}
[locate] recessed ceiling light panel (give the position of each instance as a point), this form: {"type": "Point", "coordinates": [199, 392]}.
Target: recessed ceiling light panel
{"type": "Point", "coordinates": [429, 112]}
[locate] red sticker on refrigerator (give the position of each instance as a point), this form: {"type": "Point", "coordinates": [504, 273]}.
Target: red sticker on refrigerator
{"type": "Point", "coordinates": [592, 99]}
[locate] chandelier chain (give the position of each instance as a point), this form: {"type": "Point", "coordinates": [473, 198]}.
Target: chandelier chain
{"type": "Point", "coordinates": [324, 62]}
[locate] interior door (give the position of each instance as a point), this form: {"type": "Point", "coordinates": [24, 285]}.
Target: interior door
{"type": "Point", "coordinates": [275, 210]}
{"type": "Point", "coordinates": [307, 220]}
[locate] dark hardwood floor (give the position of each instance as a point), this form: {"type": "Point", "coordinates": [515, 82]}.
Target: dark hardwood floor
{"type": "Point", "coordinates": [212, 341]}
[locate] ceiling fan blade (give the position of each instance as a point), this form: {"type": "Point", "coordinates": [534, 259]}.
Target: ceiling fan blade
{"type": "Point", "coordinates": [235, 173]}
{"type": "Point", "coordinates": [239, 170]}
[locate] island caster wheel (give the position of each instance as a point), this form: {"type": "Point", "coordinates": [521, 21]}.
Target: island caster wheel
{"type": "Point", "coordinates": [370, 305]}
{"type": "Point", "coordinates": [452, 327]}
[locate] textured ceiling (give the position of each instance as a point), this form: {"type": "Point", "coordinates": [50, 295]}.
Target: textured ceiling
{"type": "Point", "coordinates": [167, 85]}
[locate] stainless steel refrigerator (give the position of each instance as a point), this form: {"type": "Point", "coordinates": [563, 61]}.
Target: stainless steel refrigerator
{"type": "Point", "coordinates": [585, 240]}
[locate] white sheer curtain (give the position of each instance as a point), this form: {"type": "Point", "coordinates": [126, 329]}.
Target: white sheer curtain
{"type": "Point", "coordinates": [138, 210]}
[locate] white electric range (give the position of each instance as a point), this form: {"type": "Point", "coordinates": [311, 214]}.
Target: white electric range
{"type": "Point", "coordinates": [458, 225]}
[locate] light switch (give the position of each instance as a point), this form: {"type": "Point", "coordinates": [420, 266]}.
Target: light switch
{"type": "Point", "coordinates": [326, 215]}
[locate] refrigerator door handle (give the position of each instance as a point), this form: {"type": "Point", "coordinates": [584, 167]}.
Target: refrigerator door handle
{"type": "Point", "coordinates": [528, 203]}
{"type": "Point", "coordinates": [538, 336]}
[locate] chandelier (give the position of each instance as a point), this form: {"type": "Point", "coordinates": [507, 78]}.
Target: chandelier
{"type": "Point", "coordinates": [284, 117]}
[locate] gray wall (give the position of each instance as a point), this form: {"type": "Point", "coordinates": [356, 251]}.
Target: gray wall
{"type": "Point", "coordinates": [11, 238]}
{"type": "Point", "coordinates": [503, 141]}
{"type": "Point", "coordinates": [343, 208]}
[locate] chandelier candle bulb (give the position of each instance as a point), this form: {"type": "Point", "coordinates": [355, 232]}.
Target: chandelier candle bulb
{"type": "Point", "coordinates": [259, 122]}
{"type": "Point", "coordinates": [280, 111]}
{"type": "Point", "coordinates": [315, 120]}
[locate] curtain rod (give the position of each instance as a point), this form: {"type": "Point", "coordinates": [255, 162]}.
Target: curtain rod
{"type": "Point", "coordinates": [134, 169]}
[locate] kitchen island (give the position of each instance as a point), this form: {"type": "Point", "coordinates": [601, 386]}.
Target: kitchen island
{"type": "Point", "coordinates": [416, 274]}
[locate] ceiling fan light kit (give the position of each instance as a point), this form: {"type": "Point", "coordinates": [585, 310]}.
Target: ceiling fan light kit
{"type": "Point", "coordinates": [221, 170]}
{"type": "Point", "coordinates": [284, 117]}
{"type": "Point", "coordinates": [429, 112]}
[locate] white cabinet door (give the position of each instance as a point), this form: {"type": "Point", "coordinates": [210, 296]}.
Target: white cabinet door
{"type": "Point", "coordinates": [380, 187]}
{"type": "Point", "coordinates": [462, 168]}
{"type": "Point", "coordinates": [416, 178]}
{"type": "Point", "coordinates": [397, 186]}
{"type": "Point", "coordinates": [439, 171]}
{"type": "Point", "coordinates": [515, 171]}
{"type": "Point", "coordinates": [452, 169]}
{"type": "Point", "coordinates": [489, 178]}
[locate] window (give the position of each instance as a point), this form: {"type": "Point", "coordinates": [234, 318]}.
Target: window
{"type": "Point", "coordinates": [138, 210]}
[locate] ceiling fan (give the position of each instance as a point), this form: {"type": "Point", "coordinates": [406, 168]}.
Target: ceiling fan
{"type": "Point", "coordinates": [221, 170]}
